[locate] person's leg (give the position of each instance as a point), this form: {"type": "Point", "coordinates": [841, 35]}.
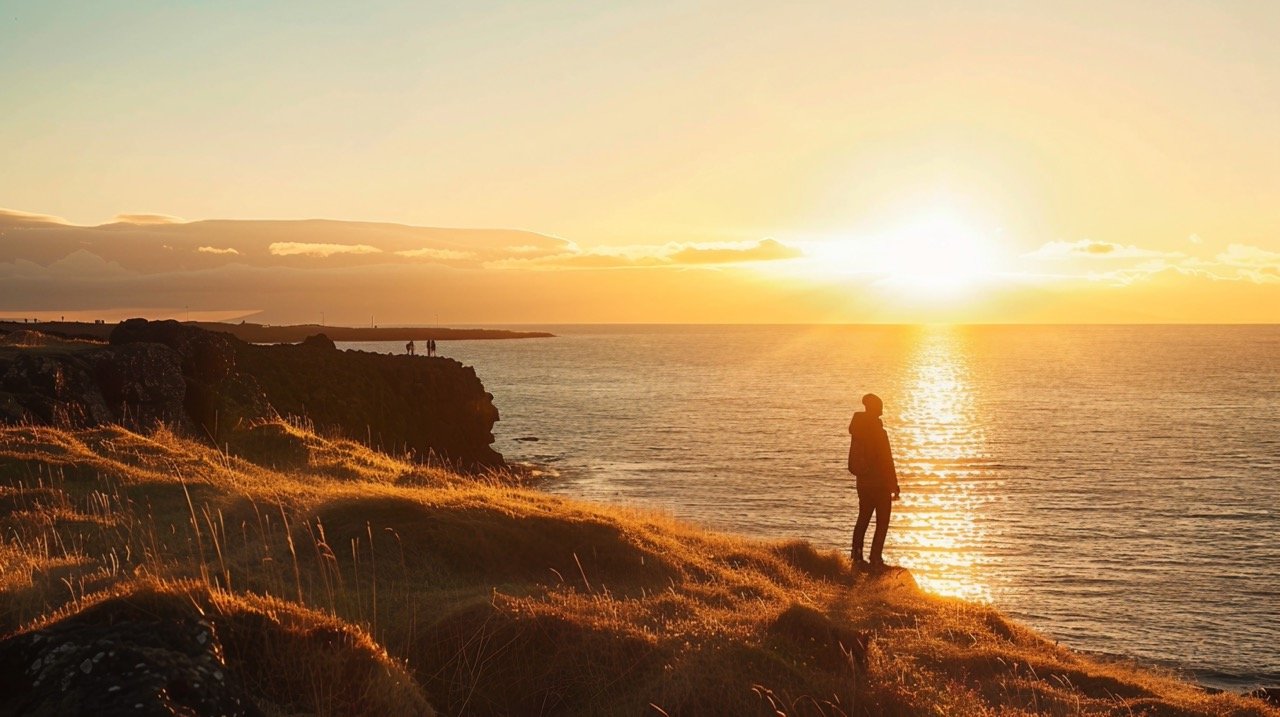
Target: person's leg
{"type": "Point", "coordinates": [883, 508]}
{"type": "Point", "coordinates": [860, 528]}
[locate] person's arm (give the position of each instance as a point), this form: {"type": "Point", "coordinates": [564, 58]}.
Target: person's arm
{"type": "Point", "coordinates": [889, 467]}
{"type": "Point", "coordinates": [851, 454]}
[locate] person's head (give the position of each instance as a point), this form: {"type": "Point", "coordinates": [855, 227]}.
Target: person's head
{"type": "Point", "coordinates": [873, 404]}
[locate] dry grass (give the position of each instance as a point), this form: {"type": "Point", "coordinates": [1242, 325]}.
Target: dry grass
{"type": "Point", "coordinates": [350, 582]}
{"type": "Point", "coordinates": [31, 339]}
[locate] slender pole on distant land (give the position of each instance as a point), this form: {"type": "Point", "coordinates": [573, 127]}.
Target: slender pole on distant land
{"type": "Point", "coordinates": [322, 318]}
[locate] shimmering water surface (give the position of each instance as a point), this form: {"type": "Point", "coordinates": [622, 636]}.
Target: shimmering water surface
{"type": "Point", "coordinates": [1115, 487]}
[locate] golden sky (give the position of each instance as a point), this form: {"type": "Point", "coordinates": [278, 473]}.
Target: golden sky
{"type": "Point", "coordinates": [737, 161]}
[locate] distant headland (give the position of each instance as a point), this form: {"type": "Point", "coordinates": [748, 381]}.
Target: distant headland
{"type": "Point", "coordinates": [269, 334]}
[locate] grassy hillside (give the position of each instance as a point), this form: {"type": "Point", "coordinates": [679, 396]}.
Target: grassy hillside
{"type": "Point", "coordinates": [343, 581]}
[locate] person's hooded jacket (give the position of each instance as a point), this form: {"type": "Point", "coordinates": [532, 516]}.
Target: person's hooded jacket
{"type": "Point", "coordinates": [870, 458]}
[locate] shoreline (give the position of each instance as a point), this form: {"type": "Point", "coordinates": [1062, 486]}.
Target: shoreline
{"type": "Point", "coordinates": [777, 600]}
{"type": "Point", "coordinates": [1211, 679]}
{"type": "Point", "coordinates": [291, 333]}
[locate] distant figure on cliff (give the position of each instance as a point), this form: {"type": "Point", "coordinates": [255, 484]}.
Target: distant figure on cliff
{"type": "Point", "coordinates": [431, 347]}
{"type": "Point", "coordinates": [410, 349]}
{"type": "Point", "coordinates": [871, 462]}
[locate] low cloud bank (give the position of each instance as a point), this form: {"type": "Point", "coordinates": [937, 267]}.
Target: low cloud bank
{"type": "Point", "coordinates": [148, 219]}
{"type": "Point", "coordinates": [1238, 262]}
{"type": "Point", "coordinates": [297, 248]}
{"type": "Point", "coordinates": [1095, 249]}
{"type": "Point", "coordinates": [672, 254]}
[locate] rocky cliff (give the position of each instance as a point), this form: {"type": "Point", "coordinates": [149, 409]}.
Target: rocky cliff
{"type": "Point", "coordinates": [213, 385]}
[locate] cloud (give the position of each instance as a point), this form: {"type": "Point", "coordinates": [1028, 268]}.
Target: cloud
{"type": "Point", "coordinates": [763, 250]}
{"type": "Point", "coordinates": [13, 217]}
{"type": "Point", "coordinates": [1095, 249]}
{"type": "Point", "coordinates": [149, 219]}
{"type": "Point", "coordinates": [662, 255]}
{"type": "Point", "coordinates": [572, 260]}
{"type": "Point", "coordinates": [297, 248]}
{"type": "Point", "coordinates": [429, 253]}
{"type": "Point", "coordinates": [1248, 256]}
{"type": "Point", "coordinates": [79, 265]}
{"type": "Point", "coordinates": [526, 249]}
{"type": "Point", "coordinates": [216, 250]}
{"type": "Point", "coordinates": [1251, 262]}
{"type": "Point", "coordinates": [1239, 263]}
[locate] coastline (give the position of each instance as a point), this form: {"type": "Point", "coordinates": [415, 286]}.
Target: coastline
{"type": "Point", "coordinates": [293, 333]}
{"type": "Point", "coordinates": [279, 530]}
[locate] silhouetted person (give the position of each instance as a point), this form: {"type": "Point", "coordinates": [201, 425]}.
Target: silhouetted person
{"type": "Point", "coordinates": [410, 349]}
{"type": "Point", "coordinates": [871, 461]}
{"type": "Point", "coordinates": [431, 347]}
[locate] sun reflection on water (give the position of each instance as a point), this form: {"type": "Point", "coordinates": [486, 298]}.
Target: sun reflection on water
{"type": "Point", "coordinates": [940, 449]}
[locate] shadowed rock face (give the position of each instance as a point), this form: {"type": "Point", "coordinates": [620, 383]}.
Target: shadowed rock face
{"type": "Point", "coordinates": [216, 396]}
{"type": "Point", "coordinates": [136, 385]}
{"type": "Point", "coordinates": [212, 384]}
{"type": "Point", "coordinates": [431, 407]}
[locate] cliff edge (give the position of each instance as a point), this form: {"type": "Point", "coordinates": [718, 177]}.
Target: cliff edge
{"type": "Point", "coordinates": [215, 386]}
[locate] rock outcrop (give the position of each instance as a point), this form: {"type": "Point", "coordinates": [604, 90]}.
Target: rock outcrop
{"type": "Point", "coordinates": [434, 408]}
{"type": "Point", "coordinates": [184, 649]}
{"type": "Point", "coordinates": [213, 385]}
{"type": "Point", "coordinates": [135, 385]}
{"type": "Point", "coordinates": [102, 663]}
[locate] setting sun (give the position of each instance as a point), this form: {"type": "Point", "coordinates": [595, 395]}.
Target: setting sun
{"type": "Point", "coordinates": [935, 253]}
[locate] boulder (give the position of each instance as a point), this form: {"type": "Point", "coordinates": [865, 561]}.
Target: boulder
{"type": "Point", "coordinates": [105, 664]}
{"type": "Point", "coordinates": [53, 389]}
{"type": "Point", "coordinates": [321, 342]}
{"type": "Point", "coordinates": [216, 397]}
{"type": "Point", "coordinates": [207, 356]}
{"type": "Point", "coordinates": [142, 383]}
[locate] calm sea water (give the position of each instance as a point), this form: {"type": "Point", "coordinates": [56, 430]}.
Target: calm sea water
{"type": "Point", "coordinates": [1118, 488]}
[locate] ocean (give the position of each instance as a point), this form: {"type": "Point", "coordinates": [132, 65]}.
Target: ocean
{"type": "Point", "coordinates": [1115, 487]}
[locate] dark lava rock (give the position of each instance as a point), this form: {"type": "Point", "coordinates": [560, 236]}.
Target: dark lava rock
{"type": "Point", "coordinates": [52, 388]}
{"type": "Point", "coordinates": [1270, 694]}
{"type": "Point", "coordinates": [142, 383]}
{"type": "Point", "coordinates": [136, 386]}
{"type": "Point", "coordinates": [207, 356]}
{"type": "Point", "coordinates": [106, 665]}
{"type": "Point", "coordinates": [214, 385]}
{"type": "Point", "coordinates": [320, 341]}
{"type": "Point", "coordinates": [434, 408]}
{"type": "Point", "coordinates": [216, 397]}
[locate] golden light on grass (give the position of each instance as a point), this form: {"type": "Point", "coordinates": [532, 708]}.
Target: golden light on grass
{"type": "Point", "coordinates": [346, 581]}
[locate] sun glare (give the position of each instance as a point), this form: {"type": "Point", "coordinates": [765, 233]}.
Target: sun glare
{"type": "Point", "coordinates": [934, 253]}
